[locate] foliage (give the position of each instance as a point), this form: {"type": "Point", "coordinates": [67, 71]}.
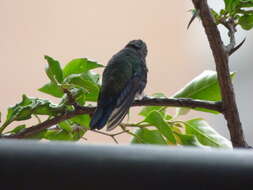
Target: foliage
{"type": "Point", "coordinates": [78, 79]}
{"type": "Point", "coordinates": [157, 127]}
{"type": "Point", "coordinates": [237, 10]}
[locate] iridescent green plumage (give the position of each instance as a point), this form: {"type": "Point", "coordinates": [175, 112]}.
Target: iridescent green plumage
{"type": "Point", "coordinates": [124, 78]}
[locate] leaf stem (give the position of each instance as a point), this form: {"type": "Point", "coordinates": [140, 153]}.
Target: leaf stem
{"type": "Point", "coordinates": [2, 128]}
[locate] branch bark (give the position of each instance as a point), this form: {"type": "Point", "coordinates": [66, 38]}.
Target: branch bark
{"type": "Point", "coordinates": [146, 101]}
{"type": "Point", "coordinates": [179, 102]}
{"type": "Point", "coordinates": [221, 57]}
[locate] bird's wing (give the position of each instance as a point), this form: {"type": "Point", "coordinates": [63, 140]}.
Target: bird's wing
{"type": "Point", "coordinates": [134, 86]}
{"type": "Point", "coordinates": [115, 77]}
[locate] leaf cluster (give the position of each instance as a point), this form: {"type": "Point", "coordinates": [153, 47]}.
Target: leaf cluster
{"type": "Point", "coordinates": [158, 127]}
{"type": "Point", "coordinates": [240, 12]}
{"type": "Point", "coordinates": [76, 84]}
{"type": "Point", "coordinates": [77, 79]}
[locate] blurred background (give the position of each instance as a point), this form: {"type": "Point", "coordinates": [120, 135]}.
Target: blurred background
{"type": "Point", "coordinates": [98, 29]}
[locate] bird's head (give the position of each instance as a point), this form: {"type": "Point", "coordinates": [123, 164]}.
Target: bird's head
{"type": "Point", "coordinates": [139, 45]}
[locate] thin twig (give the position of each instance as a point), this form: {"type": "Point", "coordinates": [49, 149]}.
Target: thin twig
{"type": "Point", "coordinates": [135, 125]}
{"type": "Point", "coordinates": [130, 133]}
{"type": "Point", "coordinates": [230, 25]}
{"type": "Point", "coordinates": [71, 99]}
{"type": "Point", "coordinates": [110, 135]}
{"type": "Point", "coordinates": [37, 117]}
{"type": "Point", "coordinates": [221, 60]}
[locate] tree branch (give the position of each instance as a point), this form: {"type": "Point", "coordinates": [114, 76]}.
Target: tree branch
{"type": "Point", "coordinates": [179, 102]}
{"type": "Point", "coordinates": [230, 25]}
{"type": "Point", "coordinates": [146, 101]}
{"type": "Point", "coordinates": [221, 60]}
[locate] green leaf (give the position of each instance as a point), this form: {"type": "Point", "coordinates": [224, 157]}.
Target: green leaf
{"type": "Point", "coordinates": [88, 81]}
{"type": "Point", "coordinates": [92, 97]}
{"type": "Point", "coordinates": [168, 117]}
{"type": "Point", "coordinates": [148, 109]}
{"type": "Point", "coordinates": [157, 120]}
{"type": "Point", "coordinates": [52, 89]}
{"type": "Point", "coordinates": [14, 111]}
{"type": "Point", "coordinates": [215, 15]}
{"type": "Point", "coordinates": [203, 87]}
{"type": "Point", "coordinates": [65, 125]}
{"type": "Point", "coordinates": [82, 120]}
{"type": "Point", "coordinates": [79, 65]}
{"type": "Point", "coordinates": [78, 132]}
{"type": "Point", "coordinates": [17, 129]}
{"type": "Point", "coordinates": [58, 135]}
{"type": "Point", "coordinates": [81, 99]}
{"type": "Point", "coordinates": [38, 136]}
{"type": "Point", "coordinates": [54, 71]}
{"type": "Point", "coordinates": [246, 21]}
{"type": "Point", "coordinates": [181, 111]}
{"type": "Point", "coordinates": [189, 140]}
{"type": "Point", "coordinates": [29, 106]}
{"type": "Point", "coordinates": [79, 94]}
{"type": "Point", "coordinates": [78, 80]}
{"type": "Point", "coordinates": [66, 131]}
{"type": "Point", "coordinates": [92, 76]}
{"type": "Point", "coordinates": [245, 4]}
{"type": "Point", "coordinates": [206, 134]}
{"type": "Point", "coordinates": [246, 1]}
{"type": "Point", "coordinates": [231, 5]}
{"type": "Point", "coordinates": [146, 136]}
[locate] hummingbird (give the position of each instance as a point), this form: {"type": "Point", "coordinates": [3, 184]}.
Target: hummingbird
{"type": "Point", "coordinates": [124, 79]}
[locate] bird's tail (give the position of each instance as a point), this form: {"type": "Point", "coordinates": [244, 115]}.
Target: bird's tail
{"type": "Point", "coordinates": [100, 117]}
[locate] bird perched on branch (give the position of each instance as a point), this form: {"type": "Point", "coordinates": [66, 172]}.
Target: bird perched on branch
{"type": "Point", "coordinates": [124, 78]}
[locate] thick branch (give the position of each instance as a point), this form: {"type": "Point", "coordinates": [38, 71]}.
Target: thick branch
{"type": "Point", "coordinates": [51, 122]}
{"type": "Point", "coordinates": [144, 102]}
{"type": "Point", "coordinates": [179, 102]}
{"type": "Point", "coordinates": [221, 60]}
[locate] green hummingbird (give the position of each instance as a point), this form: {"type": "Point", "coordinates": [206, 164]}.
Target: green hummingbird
{"type": "Point", "coordinates": [124, 78]}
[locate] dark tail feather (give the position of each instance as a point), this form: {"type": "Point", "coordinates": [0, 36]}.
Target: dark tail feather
{"type": "Point", "coordinates": [100, 117]}
{"type": "Point", "coordinates": [114, 122]}
{"type": "Point", "coordinates": [120, 112]}
{"type": "Point", "coordinates": [124, 102]}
